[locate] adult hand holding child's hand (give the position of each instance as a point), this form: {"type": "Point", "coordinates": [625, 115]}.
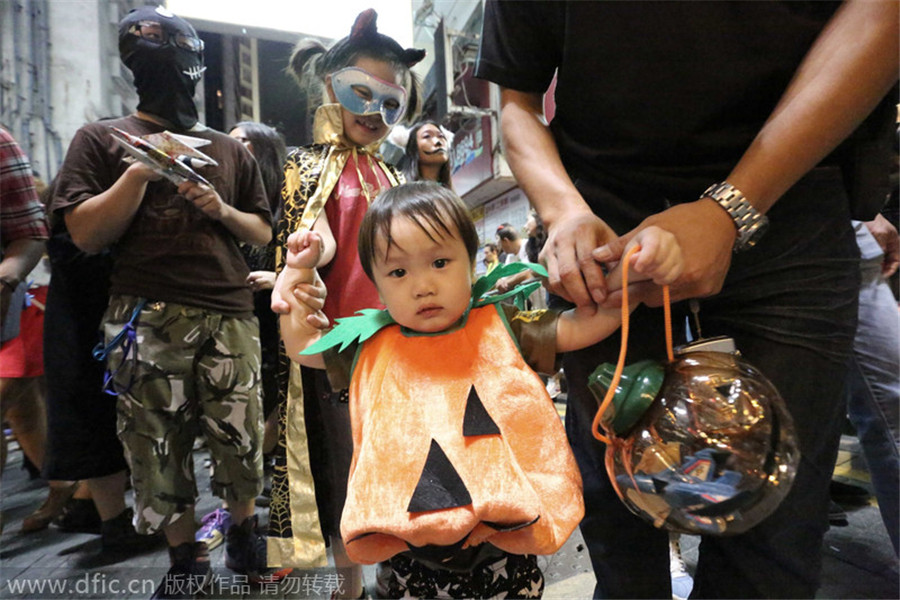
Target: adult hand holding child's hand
{"type": "Point", "coordinates": [299, 285]}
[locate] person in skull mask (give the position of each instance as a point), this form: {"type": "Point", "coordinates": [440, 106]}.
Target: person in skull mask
{"type": "Point", "coordinates": [178, 288]}
{"type": "Point", "coordinates": [165, 56]}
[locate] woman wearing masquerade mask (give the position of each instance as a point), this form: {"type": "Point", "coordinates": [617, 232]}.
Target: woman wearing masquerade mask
{"type": "Point", "coordinates": [367, 87]}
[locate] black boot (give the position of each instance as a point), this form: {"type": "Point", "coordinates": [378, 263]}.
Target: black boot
{"type": "Point", "coordinates": [118, 535]}
{"type": "Point", "coordinates": [245, 552]}
{"type": "Point", "coordinates": [189, 574]}
{"type": "Point", "coordinates": [79, 515]}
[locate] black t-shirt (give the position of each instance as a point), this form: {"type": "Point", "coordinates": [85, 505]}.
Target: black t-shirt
{"type": "Point", "coordinates": [654, 100]}
{"type": "Point", "coordinates": [171, 251]}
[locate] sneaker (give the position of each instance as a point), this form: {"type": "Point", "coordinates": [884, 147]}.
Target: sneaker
{"type": "Point", "coordinates": [245, 552]}
{"type": "Point", "coordinates": [117, 535]}
{"type": "Point", "coordinates": [213, 527]}
{"type": "Point", "coordinates": [682, 582]}
{"type": "Point", "coordinates": [189, 575]}
{"type": "Point", "coordinates": [79, 515]}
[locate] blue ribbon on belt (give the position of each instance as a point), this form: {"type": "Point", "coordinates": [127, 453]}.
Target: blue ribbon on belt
{"type": "Point", "coordinates": [127, 339]}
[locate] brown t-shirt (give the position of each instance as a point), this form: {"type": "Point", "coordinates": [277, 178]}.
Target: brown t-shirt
{"type": "Point", "coordinates": [171, 251]}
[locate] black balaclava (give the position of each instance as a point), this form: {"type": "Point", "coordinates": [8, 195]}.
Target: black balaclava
{"type": "Point", "coordinates": [165, 74]}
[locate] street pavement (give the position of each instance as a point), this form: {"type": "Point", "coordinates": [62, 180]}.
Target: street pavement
{"type": "Point", "coordinates": [859, 561]}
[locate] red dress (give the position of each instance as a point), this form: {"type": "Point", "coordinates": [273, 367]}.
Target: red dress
{"type": "Point", "coordinates": [349, 289]}
{"type": "Point", "coordinates": [23, 356]}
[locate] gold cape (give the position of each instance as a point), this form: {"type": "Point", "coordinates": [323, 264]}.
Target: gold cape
{"type": "Point", "coordinates": [310, 175]}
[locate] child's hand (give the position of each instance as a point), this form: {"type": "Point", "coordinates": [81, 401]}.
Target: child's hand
{"type": "Point", "coordinates": [304, 249]}
{"type": "Point", "coordinates": [659, 260]}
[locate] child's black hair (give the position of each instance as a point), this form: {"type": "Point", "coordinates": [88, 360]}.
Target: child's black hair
{"type": "Point", "coordinates": [310, 61]}
{"type": "Point", "coordinates": [431, 206]}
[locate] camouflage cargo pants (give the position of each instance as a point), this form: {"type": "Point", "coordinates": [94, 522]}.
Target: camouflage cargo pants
{"type": "Point", "coordinates": [191, 371]}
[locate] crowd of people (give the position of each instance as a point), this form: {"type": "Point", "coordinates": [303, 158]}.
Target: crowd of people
{"type": "Point", "coordinates": [313, 315]}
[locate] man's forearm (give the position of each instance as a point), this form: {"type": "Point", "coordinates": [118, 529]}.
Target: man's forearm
{"type": "Point", "coordinates": [849, 69]}
{"type": "Point", "coordinates": [534, 157]}
{"type": "Point", "coordinates": [100, 221]}
{"type": "Point", "coordinates": [247, 227]}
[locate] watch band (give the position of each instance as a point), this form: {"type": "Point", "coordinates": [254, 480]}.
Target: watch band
{"type": "Point", "coordinates": [750, 223]}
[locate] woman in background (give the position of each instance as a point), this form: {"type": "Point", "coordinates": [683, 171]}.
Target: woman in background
{"type": "Point", "coordinates": [428, 154]}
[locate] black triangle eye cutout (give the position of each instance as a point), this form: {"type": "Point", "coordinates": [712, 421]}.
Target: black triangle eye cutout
{"type": "Point", "coordinates": [477, 421]}
{"type": "Point", "coordinates": [725, 389]}
{"type": "Point", "coordinates": [440, 486]}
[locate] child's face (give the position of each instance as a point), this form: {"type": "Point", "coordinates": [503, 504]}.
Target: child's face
{"type": "Point", "coordinates": [425, 284]}
{"type": "Point", "coordinates": [367, 129]}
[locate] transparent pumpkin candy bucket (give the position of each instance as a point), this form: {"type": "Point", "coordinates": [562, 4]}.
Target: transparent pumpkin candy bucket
{"type": "Point", "coordinates": [702, 444]}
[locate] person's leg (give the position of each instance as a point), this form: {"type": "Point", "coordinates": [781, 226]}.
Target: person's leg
{"type": "Point", "coordinates": [108, 493]}
{"type": "Point", "coordinates": [294, 532]}
{"type": "Point", "coordinates": [181, 531]}
{"type": "Point", "coordinates": [339, 451]}
{"type": "Point", "coordinates": [24, 410]}
{"type": "Point", "coordinates": [791, 307]}
{"type": "Point", "coordinates": [270, 432]}
{"type": "Point", "coordinates": [781, 556]}
{"type": "Point", "coordinates": [629, 556]}
{"type": "Point", "coordinates": [873, 392]}
{"type": "Point", "coordinates": [157, 410]}
{"type": "Point", "coordinates": [230, 404]}
{"type": "Point", "coordinates": [82, 442]}
{"type": "Point", "coordinates": [157, 414]}
{"type": "Point", "coordinates": [790, 304]}
{"type": "Point", "coordinates": [157, 433]}
{"type": "Point", "coordinates": [231, 418]}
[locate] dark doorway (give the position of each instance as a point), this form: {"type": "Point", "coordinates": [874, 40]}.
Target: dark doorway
{"type": "Point", "coordinates": [213, 81]}
{"type": "Point", "coordinates": [282, 104]}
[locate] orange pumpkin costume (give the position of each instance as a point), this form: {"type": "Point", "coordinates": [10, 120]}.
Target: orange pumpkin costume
{"type": "Point", "coordinates": [455, 443]}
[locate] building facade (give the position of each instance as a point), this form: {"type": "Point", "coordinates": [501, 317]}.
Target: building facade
{"type": "Point", "coordinates": [60, 69]}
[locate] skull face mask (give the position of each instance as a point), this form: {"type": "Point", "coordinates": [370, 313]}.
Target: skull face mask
{"type": "Point", "coordinates": [166, 57]}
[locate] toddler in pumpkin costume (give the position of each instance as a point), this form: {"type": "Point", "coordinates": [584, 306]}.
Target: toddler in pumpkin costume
{"type": "Point", "coordinates": [460, 461]}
